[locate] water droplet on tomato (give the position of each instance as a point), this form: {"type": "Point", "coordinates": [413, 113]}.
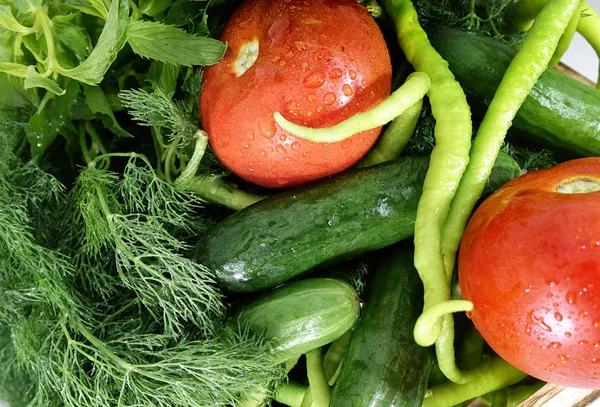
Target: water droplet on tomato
{"type": "Point", "coordinates": [280, 149]}
{"type": "Point", "coordinates": [246, 146]}
{"type": "Point", "coordinates": [295, 145]}
{"type": "Point", "coordinates": [528, 330]}
{"type": "Point", "coordinates": [568, 334]}
{"type": "Point", "coordinates": [329, 98]}
{"type": "Point", "coordinates": [571, 297]}
{"type": "Point", "coordinates": [270, 149]}
{"type": "Point", "coordinates": [583, 314]}
{"type": "Point", "coordinates": [313, 80]}
{"type": "Point", "coordinates": [335, 74]}
{"type": "Point", "coordinates": [319, 108]}
{"type": "Point", "coordinates": [282, 137]}
{"type": "Point", "coordinates": [250, 135]}
{"type": "Point", "coordinates": [596, 361]}
{"type": "Point", "coordinates": [583, 343]}
{"type": "Point", "coordinates": [352, 74]}
{"type": "Point", "coordinates": [305, 66]}
{"type": "Point", "coordinates": [558, 316]}
{"type": "Point", "coordinates": [311, 98]}
{"type": "Point", "coordinates": [263, 153]}
{"type": "Point", "coordinates": [347, 90]}
{"type": "Point", "coordinates": [555, 345]}
{"type": "Point", "coordinates": [563, 358]}
{"type": "Point", "coordinates": [597, 324]}
{"type": "Point", "coordinates": [300, 46]}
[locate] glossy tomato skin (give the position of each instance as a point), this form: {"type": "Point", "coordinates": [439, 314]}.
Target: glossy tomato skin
{"type": "Point", "coordinates": [530, 263]}
{"type": "Point", "coordinates": [319, 62]}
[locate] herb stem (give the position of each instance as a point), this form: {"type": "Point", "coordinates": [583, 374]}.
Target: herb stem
{"type": "Point", "coordinates": [46, 24]}
{"type": "Point", "coordinates": [199, 149]}
{"type": "Point", "coordinates": [291, 394]}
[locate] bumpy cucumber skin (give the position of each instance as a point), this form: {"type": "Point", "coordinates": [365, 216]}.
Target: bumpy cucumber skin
{"type": "Point", "coordinates": [560, 113]}
{"type": "Point", "coordinates": [383, 365]}
{"type": "Point", "coordinates": [300, 316]}
{"type": "Point", "coordinates": [292, 232]}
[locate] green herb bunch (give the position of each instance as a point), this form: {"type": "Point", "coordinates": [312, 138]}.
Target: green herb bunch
{"type": "Point", "coordinates": [100, 301]}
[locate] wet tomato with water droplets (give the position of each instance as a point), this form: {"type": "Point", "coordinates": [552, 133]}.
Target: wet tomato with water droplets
{"type": "Point", "coordinates": [530, 263]}
{"type": "Point", "coordinates": [317, 62]}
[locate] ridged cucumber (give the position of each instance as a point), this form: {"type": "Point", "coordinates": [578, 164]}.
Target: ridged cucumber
{"type": "Point", "coordinates": [560, 113]}
{"type": "Point", "coordinates": [383, 365]}
{"type": "Point", "coordinates": [292, 232]}
{"type": "Point", "coordinates": [300, 316]}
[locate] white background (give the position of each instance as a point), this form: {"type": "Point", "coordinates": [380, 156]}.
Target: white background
{"type": "Point", "coordinates": [580, 56]}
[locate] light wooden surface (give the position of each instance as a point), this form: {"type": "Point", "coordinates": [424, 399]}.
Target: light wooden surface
{"type": "Point", "coordinates": [552, 395]}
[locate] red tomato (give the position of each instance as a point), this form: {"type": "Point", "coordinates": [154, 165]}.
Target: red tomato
{"type": "Point", "coordinates": [317, 62]}
{"type": "Point", "coordinates": [530, 263]}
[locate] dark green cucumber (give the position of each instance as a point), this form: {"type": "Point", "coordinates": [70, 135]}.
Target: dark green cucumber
{"type": "Point", "coordinates": [561, 113]}
{"type": "Point", "coordinates": [383, 365]}
{"type": "Point", "coordinates": [300, 316]}
{"type": "Point", "coordinates": [292, 232]}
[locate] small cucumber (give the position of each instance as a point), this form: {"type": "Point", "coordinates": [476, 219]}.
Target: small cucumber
{"type": "Point", "coordinates": [287, 234]}
{"type": "Point", "coordinates": [383, 365]}
{"type": "Point", "coordinates": [560, 113]}
{"type": "Point", "coordinates": [300, 316]}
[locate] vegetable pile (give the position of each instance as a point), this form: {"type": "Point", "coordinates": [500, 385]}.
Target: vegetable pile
{"type": "Point", "coordinates": [148, 256]}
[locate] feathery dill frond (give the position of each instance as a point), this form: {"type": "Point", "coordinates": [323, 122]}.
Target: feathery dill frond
{"type": "Point", "coordinates": [129, 217]}
{"type": "Point", "coordinates": [486, 17]}
{"type": "Point", "coordinates": [143, 192]}
{"type": "Point", "coordinates": [160, 110]}
{"type": "Point", "coordinates": [528, 159]}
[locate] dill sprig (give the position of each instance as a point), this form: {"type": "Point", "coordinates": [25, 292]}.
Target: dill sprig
{"type": "Point", "coordinates": [485, 17]}
{"type": "Point", "coordinates": [157, 109]}
{"type": "Point", "coordinates": [129, 217]}
{"type": "Point", "coordinates": [63, 346]}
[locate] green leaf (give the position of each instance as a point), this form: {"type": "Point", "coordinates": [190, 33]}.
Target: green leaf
{"type": "Point", "coordinates": [98, 103]}
{"type": "Point", "coordinates": [9, 22]}
{"type": "Point", "coordinates": [163, 76]}
{"type": "Point", "coordinates": [14, 69]}
{"type": "Point", "coordinates": [73, 42]}
{"type": "Point", "coordinates": [153, 7]}
{"type": "Point", "coordinates": [183, 12]}
{"type": "Point", "coordinates": [26, 6]}
{"type": "Point", "coordinates": [46, 124]}
{"type": "Point", "coordinates": [110, 42]}
{"type": "Point", "coordinates": [34, 80]}
{"type": "Point", "coordinates": [168, 44]}
{"type": "Point", "coordinates": [87, 8]}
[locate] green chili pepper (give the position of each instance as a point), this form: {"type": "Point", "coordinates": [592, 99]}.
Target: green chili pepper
{"type": "Point", "coordinates": [395, 137]}
{"type": "Point", "coordinates": [588, 28]}
{"type": "Point", "coordinates": [566, 38]}
{"type": "Point", "coordinates": [319, 392]}
{"type": "Point", "coordinates": [449, 159]}
{"type": "Point", "coordinates": [413, 90]}
{"type": "Point", "coordinates": [528, 64]}
{"type": "Point", "coordinates": [499, 375]}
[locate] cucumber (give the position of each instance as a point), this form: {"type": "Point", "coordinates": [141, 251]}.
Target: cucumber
{"type": "Point", "coordinates": [300, 316]}
{"type": "Point", "coordinates": [383, 365]}
{"type": "Point", "coordinates": [560, 113]}
{"type": "Point", "coordinates": [287, 234]}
